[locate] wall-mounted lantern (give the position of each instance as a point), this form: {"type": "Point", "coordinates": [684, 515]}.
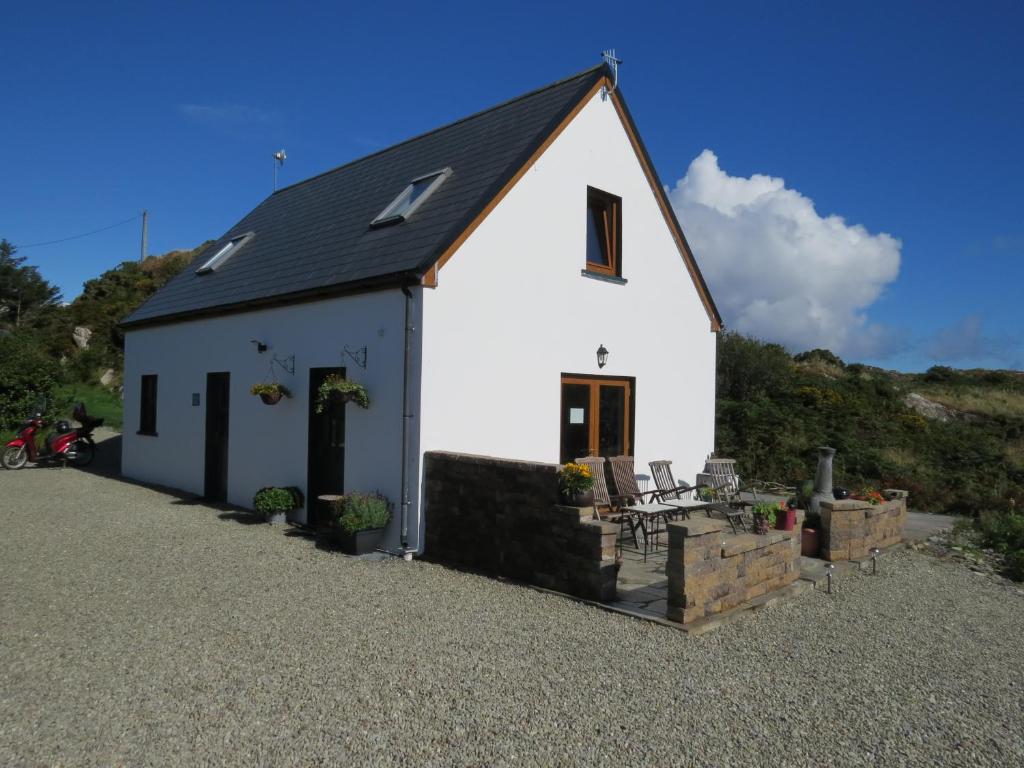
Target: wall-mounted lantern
{"type": "Point", "coordinates": [602, 356]}
{"type": "Point", "coordinates": [260, 346]}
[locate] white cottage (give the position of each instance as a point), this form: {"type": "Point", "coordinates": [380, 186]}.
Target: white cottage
{"type": "Point", "coordinates": [513, 284]}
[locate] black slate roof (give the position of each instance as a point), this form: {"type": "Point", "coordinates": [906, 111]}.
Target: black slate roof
{"type": "Point", "coordinates": [314, 237]}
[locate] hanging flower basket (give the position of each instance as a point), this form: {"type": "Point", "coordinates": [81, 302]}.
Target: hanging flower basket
{"type": "Point", "coordinates": [341, 390]}
{"type": "Point", "coordinates": [270, 394]}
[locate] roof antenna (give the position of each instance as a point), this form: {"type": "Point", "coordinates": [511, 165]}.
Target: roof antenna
{"type": "Point", "coordinates": [613, 63]}
{"type": "Point", "coordinates": [279, 158]}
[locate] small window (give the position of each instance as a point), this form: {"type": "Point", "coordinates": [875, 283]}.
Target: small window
{"type": "Point", "coordinates": [411, 198]}
{"type": "Point", "coordinates": [223, 254]}
{"type": "Point", "coordinates": [147, 409]}
{"type": "Point", "coordinates": [604, 232]}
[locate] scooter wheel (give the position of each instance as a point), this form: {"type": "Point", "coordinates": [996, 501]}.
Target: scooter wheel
{"type": "Point", "coordinates": [14, 457]}
{"type": "Point", "coordinates": [85, 452]}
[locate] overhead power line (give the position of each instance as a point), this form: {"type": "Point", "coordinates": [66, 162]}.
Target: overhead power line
{"type": "Point", "coordinates": [76, 237]}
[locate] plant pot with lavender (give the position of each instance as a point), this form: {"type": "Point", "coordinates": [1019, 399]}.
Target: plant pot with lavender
{"type": "Point", "coordinates": [358, 522]}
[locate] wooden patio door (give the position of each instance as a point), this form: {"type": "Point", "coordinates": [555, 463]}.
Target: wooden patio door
{"type": "Point", "coordinates": [596, 417]}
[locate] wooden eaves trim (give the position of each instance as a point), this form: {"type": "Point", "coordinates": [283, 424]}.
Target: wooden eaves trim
{"type": "Point", "coordinates": [429, 279]}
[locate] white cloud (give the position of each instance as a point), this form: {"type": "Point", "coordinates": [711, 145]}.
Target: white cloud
{"type": "Point", "coordinates": [780, 271]}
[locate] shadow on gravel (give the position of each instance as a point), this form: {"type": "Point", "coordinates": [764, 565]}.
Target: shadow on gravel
{"type": "Point", "coordinates": [245, 518]}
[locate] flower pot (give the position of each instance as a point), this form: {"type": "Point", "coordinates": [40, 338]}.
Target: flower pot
{"type": "Point", "coordinates": [277, 518]}
{"type": "Point", "coordinates": [785, 519]}
{"type": "Point", "coordinates": [360, 542]}
{"type": "Point", "coordinates": [582, 499]}
{"type": "Point", "coordinates": [271, 398]}
{"type": "Point", "coordinates": [809, 542]}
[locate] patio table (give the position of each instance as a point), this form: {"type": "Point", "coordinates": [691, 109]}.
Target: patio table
{"type": "Point", "coordinates": [646, 514]}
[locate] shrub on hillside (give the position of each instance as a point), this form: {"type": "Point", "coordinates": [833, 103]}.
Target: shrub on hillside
{"type": "Point", "coordinates": [27, 372]}
{"type": "Point", "coordinates": [1004, 532]}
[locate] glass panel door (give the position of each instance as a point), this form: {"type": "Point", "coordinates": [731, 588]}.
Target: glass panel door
{"type": "Point", "coordinates": [595, 417]}
{"type": "Point", "coordinates": [611, 431]}
{"type": "Point", "coordinates": [575, 422]}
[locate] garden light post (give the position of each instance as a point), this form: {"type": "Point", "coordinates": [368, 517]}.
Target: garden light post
{"type": "Point", "coordinates": [875, 552]}
{"type": "Point", "coordinates": [829, 567]}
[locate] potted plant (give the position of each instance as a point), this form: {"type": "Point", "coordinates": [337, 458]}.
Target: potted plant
{"type": "Point", "coordinates": [785, 517]}
{"type": "Point", "coordinates": [270, 394]}
{"type": "Point", "coordinates": [576, 484]}
{"type": "Point", "coordinates": [274, 504]}
{"type": "Point", "coordinates": [340, 389]}
{"type": "Point", "coordinates": [358, 521]}
{"type": "Point", "coordinates": [764, 516]}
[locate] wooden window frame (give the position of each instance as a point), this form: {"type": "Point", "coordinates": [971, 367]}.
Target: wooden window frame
{"type": "Point", "coordinates": [612, 206]}
{"type": "Point", "coordinates": [147, 405]}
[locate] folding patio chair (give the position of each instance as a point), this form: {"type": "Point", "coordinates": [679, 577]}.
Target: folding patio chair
{"type": "Point", "coordinates": [649, 513]}
{"type": "Point", "coordinates": [724, 498]}
{"type": "Point", "coordinates": [603, 499]}
{"type": "Point", "coordinates": [724, 485]}
{"type": "Point", "coordinates": [677, 495]}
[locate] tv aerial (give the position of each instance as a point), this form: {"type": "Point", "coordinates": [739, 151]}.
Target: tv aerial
{"type": "Point", "coordinates": [279, 157]}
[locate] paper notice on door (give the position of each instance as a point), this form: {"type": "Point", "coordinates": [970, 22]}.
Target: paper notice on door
{"type": "Point", "coordinates": [576, 415]}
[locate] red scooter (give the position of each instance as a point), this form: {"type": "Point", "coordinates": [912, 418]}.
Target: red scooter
{"type": "Point", "coordinates": [66, 444]}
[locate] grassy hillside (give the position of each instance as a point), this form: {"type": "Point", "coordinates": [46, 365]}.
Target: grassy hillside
{"type": "Point", "coordinates": [958, 447]}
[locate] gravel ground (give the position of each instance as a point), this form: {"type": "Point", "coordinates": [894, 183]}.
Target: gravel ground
{"type": "Point", "coordinates": [137, 628]}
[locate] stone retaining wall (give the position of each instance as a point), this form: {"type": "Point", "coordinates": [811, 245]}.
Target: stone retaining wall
{"type": "Point", "coordinates": [850, 528]}
{"type": "Point", "coordinates": [502, 517]}
{"type": "Point", "coordinates": [710, 571]}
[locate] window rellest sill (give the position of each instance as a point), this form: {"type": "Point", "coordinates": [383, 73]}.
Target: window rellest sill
{"type": "Point", "coordinates": [148, 434]}
{"type": "Point", "coordinates": [604, 278]}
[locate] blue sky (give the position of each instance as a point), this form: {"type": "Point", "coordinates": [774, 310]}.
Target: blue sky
{"type": "Point", "coordinates": [903, 118]}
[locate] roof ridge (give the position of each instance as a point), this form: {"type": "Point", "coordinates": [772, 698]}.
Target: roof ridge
{"type": "Point", "coordinates": [440, 128]}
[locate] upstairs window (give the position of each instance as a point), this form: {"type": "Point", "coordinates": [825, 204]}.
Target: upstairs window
{"type": "Point", "coordinates": [411, 198]}
{"type": "Point", "coordinates": [604, 233]}
{"type": "Point", "coordinates": [225, 252]}
{"type": "Point", "coordinates": [147, 408]}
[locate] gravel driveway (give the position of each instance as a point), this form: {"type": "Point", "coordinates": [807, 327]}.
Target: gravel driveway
{"type": "Point", "coordinates": [137, 628]}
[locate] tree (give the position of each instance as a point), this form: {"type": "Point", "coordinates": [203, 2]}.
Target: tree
{"type": "Point", "coordinates": [27, 372]}
{"type": "Point", "coordinates": [25, 297]}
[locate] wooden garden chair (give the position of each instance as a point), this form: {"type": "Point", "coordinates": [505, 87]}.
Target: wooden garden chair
{"type": "Point", "coordinates": [648, 513]}
{"type": "Point", "coordinates": [680, 496]}
{"type": "Point", "coordinates": [724, 498]}
{"type": "Point", "coordinates": [604, 499]}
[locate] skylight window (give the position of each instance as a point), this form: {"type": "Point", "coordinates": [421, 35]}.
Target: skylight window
{"type": "Point", "coordinates": [225, 252]}
{"type": "Point", "coordinates": [411, 198]}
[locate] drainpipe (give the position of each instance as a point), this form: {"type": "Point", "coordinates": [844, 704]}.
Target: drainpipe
{"type": "Point", "coordinates": [407, 415]}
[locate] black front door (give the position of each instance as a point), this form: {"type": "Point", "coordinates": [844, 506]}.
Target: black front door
{"type": "Point", "coordinates": [218, 387]}
{"type": "Point", "coordinates": [326, 458]}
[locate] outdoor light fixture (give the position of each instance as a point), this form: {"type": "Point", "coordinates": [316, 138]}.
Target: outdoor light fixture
{"type": "Point", "coordinates": [260, 346]}
{"type": "Point", "coordinates": [875, 552]}
{"type": "Point", "coordinates": [829, 567]}
{"type": "Point", "coordinates": [602, 356]}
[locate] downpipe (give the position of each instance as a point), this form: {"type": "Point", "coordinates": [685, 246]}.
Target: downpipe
{"type": "Point", "coordinates": [407, 416]}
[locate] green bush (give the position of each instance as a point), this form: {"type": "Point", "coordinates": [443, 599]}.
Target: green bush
{"type": "Point", "coordinates": [26, 374]}
{"type": "Point", "coordinates": [1004, 532]}
{"type": "Point", "coordinates": [270, 501]}
{"type": "Point", "coordinates": [356, 512]}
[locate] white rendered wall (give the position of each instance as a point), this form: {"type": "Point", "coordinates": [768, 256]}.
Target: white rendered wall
{"type": "Point", "coordinates": [267, 445]}
{"type": "Point", "coordinates": [512, 312]}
